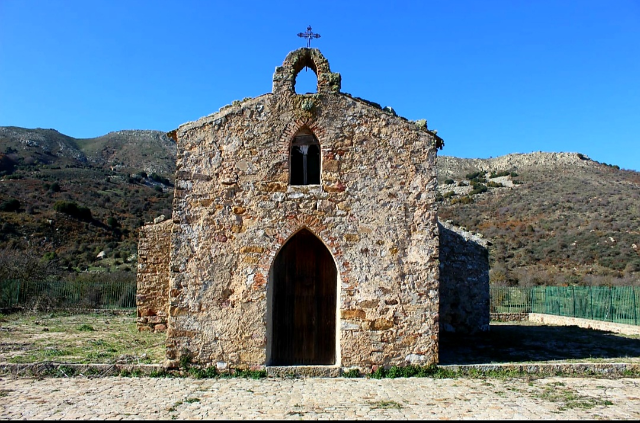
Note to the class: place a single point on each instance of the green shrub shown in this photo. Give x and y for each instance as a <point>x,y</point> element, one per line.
<point>379,373</point>
<point>161,179</point>
<point>51,255</point>
<point>352,373</point>
<point>478,189</point>
<point>448,181</point>
<point>211,372</point>
<point>8,228</point>
<point>10,205</point>
<point>252,374</point>
<point>54,187</point>
<point>72,209</point>
<point>196,372</point>
<point>402,371</point>
<point>185,360</point>
<point>127,373</point>
<point>498,174</point>
<point>462,200</point>
<point>159,373</point>
<point>65,371</point>
<point>206,373</point>
<point>473,175</point>
<point>493,184</point>
<point>449,194</point>
<point>406,371</point>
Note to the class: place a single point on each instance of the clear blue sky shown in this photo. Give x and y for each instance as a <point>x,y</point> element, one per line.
<point>493,76</point>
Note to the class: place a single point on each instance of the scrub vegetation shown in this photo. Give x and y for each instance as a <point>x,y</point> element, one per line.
<point>77,205</point>
<point>558,225</point>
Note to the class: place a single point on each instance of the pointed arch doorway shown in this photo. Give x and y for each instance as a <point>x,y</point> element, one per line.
<point>303,304</point>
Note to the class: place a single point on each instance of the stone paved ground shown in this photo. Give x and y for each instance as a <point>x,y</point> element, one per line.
<point>319,398</point>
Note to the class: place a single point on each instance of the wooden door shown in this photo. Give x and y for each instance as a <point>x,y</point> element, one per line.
<point>304,303</point>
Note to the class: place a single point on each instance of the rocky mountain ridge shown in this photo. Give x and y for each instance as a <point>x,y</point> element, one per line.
<point>129,150</point>
<point>449,165</point>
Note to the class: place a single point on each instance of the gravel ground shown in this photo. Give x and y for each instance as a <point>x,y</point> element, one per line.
<point>319,398</point>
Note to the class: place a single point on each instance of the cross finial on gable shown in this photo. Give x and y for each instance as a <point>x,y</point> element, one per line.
<point>308,35</point>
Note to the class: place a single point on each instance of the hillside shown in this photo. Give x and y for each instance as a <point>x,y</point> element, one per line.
<point>560,218</point>
<point>50,180</point>
<point>123,151</point>
<point>551,218</point>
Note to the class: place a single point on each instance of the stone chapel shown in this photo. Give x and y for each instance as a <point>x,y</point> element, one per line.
<point>305,233</point>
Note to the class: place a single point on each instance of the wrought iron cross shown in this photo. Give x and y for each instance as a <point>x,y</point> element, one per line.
<point>308,35</point>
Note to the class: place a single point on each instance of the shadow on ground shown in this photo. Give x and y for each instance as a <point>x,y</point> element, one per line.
<point>508,343</point>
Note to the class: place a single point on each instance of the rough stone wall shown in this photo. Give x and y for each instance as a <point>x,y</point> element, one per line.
<point>459,252</point>
<point>464,281</point>
<point>152,297</point>
<point>374,210</point>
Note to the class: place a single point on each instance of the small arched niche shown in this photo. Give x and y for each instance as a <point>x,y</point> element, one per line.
<point>304,158</point>
<point>302,303</point>
<point>306,82</point>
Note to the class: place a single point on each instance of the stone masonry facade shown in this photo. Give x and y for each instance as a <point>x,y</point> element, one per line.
<point>235,208</point>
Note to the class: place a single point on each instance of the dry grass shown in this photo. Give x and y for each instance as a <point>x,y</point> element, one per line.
<point>108,338</point>
<point>77,338</point>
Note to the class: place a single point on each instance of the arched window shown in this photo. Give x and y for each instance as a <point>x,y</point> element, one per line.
<point>304,159</point>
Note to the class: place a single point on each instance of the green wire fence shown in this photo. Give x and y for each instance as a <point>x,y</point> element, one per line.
<point>612,304</point>
<point>66,294</point>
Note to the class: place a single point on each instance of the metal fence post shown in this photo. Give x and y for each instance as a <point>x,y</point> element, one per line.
<point>591,298</point>
<point>573,292</point>
<point>611,303</point>
<point>546,305</point>
<point>531,299</point>
<point>635,310</point>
